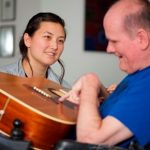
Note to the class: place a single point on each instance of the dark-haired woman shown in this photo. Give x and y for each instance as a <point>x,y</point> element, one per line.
<point>41,45</point>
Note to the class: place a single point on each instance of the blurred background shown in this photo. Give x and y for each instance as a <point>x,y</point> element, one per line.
<point>78,60</point>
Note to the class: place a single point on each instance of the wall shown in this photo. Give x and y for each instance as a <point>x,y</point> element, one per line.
<point>24,11</point>
<point>76,60</point>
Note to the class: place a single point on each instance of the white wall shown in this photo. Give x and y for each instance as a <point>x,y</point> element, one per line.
<point>77,61</point>
<point>25,9</point>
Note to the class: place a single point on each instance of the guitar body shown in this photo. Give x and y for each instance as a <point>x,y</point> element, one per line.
<point>45,121</point>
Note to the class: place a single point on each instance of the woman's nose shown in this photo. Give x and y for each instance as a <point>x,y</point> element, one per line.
<point>53,44</point>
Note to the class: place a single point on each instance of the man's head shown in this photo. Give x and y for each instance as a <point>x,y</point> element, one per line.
<point>127,27</point>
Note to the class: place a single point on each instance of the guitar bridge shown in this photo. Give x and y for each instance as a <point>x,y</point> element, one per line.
<point>41,92</point>
<point>55,99</point>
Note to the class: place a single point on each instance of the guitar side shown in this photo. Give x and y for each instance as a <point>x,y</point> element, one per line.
<point>45,122</point>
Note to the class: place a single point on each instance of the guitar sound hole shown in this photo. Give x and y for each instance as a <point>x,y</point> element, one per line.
<point>60,93</point>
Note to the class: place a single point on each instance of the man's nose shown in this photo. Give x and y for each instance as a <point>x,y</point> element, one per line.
<point>110,48</point>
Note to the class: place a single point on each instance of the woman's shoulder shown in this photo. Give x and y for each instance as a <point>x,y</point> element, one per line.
<point>8,67</point>
<point>54,77</point>
<point>12,68</point>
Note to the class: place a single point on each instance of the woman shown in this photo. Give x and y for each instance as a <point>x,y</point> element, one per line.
<point>41,45</point>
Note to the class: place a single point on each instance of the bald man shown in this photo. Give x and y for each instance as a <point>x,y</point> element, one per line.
<point>124,115</point>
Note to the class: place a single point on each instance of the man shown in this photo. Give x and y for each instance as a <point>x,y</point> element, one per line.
<point>124,116</point>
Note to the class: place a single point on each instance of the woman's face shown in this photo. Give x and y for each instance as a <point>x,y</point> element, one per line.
<point>47,43</point>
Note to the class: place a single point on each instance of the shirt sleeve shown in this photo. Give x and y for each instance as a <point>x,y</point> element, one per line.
<point>133,109</point>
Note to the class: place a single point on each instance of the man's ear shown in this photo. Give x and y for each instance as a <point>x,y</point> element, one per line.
<point>27,40</point>
<point>143,39</point>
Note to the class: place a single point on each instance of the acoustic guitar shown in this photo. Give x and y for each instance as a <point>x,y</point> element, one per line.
<point>34,101</point>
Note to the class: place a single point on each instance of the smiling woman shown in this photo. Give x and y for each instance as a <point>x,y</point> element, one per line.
<point>41,45</point>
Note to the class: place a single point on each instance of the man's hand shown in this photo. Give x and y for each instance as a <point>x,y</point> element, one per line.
<point>88,80</point>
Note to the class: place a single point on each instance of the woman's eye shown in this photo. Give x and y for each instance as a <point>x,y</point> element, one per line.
<point>61,41</point>
<point>47,37</point>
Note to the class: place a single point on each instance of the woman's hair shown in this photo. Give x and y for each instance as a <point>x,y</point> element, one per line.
<point>33,25</point>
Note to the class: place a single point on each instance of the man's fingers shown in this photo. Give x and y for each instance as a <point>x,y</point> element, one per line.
<point>64,97</point>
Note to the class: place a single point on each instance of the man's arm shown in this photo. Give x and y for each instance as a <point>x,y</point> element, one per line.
<point>91,127</point>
